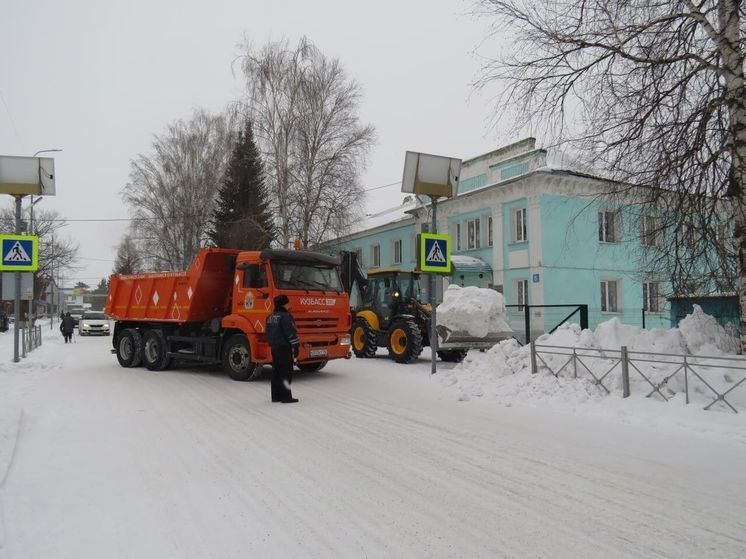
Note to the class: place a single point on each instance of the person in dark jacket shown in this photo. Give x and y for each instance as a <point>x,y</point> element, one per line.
<point>282,336</point>
<point>67,327</point>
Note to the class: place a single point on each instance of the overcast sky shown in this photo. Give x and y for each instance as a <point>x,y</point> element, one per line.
<point>98,79</point>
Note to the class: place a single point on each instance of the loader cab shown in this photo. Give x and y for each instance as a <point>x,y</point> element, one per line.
<point>392,292</point>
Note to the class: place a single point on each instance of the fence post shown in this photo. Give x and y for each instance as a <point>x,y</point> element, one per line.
<point>625,373</point>
<point>584,317</point>
<point>643,318</point>
<point>23,342</point>
<point>686,380</point>
<point>533,358</point>
<point>527,321</point>
<point>574,363</point>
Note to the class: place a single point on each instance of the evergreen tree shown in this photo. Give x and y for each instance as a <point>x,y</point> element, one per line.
<point>241,218</point>
<point>103,287</point>
<point>128,259</point>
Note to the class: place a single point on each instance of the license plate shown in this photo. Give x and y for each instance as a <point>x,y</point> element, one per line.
<point>318,353</point>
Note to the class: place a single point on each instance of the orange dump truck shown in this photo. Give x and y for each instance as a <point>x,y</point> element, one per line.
<point>216,311</point>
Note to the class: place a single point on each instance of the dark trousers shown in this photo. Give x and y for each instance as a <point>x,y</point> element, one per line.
<point>282,372</point>
<point>68,336</point>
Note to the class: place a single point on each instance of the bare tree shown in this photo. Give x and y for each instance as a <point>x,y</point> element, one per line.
<point>57,252</point>
<point>651,91</point>
<point>305,112</point>
<point>172,189</point>
<point>128,260</point>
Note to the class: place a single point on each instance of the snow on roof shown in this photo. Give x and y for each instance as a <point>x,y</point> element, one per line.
<point>384,217</point>
<point>470,263</point>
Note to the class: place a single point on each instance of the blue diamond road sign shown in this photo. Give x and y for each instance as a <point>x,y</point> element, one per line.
<point>20,253</point>
<point>435,253</point>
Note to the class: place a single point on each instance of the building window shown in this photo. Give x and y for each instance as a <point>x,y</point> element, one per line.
<point>609,296</point>
<point>722,234</point>
<point>686,235</point>
<point>608,227</point>
<point>519,225</point>
<point>472,232</point>
<point>415,248</point>
<point>397,252</point>
<point>521,293</point>
<point>651,301</point>
<point>649,231</point>
<point>375,256</point>
<point>458,236</point>
<point>489,230</point>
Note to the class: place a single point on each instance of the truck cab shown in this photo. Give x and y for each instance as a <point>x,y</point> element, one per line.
<point>318,303</point>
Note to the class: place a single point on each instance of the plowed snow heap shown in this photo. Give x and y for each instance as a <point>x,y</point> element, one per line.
<point>475,311</point>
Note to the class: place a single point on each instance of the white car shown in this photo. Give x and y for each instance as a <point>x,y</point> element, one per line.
<point>94,323</point>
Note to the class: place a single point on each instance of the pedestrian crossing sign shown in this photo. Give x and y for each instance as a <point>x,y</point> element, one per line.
<point>20,253</point>
<point>435,253</point>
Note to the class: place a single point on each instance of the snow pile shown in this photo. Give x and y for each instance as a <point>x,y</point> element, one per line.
<point>504,372</point>
<point>475,310</point>
<point>704,336</point>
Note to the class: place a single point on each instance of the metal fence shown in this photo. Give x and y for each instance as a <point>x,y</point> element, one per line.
<point>30,339</point>
<point>667,369</point>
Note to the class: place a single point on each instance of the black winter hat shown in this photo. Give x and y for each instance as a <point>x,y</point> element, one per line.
<point>281,301</point>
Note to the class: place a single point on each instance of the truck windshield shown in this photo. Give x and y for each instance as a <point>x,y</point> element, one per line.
<point>305,276</point>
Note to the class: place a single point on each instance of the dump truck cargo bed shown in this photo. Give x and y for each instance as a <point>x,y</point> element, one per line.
<point>198,294</point>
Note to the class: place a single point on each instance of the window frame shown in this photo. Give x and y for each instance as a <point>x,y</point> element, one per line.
<point>519,225</point>
<point>521,294</point>
<point>647,298</point>
<point>396,247</point>
<point>375,255</point>
<point>473,234</point>
<point>649,231</point>
<point>458,235</point>
<point>490,231</point>
<point>603,228</point>
<point>604,285</point>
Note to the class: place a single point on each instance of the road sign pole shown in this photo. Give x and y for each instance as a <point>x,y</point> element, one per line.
<point>433,331</point>
<point>17,301</point>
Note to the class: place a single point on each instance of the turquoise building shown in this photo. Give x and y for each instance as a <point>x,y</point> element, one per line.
<point>527,224</point>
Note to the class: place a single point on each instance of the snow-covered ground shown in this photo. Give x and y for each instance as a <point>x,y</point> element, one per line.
<point>377,460</point>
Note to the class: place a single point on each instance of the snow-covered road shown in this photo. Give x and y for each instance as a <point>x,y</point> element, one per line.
<point>377,460</point>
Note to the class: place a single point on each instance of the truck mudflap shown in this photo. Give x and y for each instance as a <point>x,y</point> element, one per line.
<point>451,340</point>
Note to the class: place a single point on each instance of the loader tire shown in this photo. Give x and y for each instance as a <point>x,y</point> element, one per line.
<point>452,355</point>
<point>237,359</point>
<point>155,351</point>
<point>364,340</point>
<point>129,348</point>
<point>405,340</point>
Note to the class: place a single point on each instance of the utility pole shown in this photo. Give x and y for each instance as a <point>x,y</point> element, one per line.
<point>431,289</point>
<point>17,300</point>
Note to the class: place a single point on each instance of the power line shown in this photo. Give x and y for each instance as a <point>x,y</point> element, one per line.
<point>136,219</point>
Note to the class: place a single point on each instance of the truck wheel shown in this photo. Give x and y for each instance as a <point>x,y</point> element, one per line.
<point>312,367</point>
<point>237,359</point>
<point>405,340</point>
<point>452,355</point>
<point>364,342</point>
<point>155,351</point>
<point>129,348</point>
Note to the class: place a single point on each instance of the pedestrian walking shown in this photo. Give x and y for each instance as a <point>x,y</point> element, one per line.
<point>67,327</point>
<point>282,336</point>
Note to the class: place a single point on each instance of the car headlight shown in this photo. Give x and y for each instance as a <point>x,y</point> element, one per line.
<point>84,324</point>
<point>106,326</point>
<point>344,341</point>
